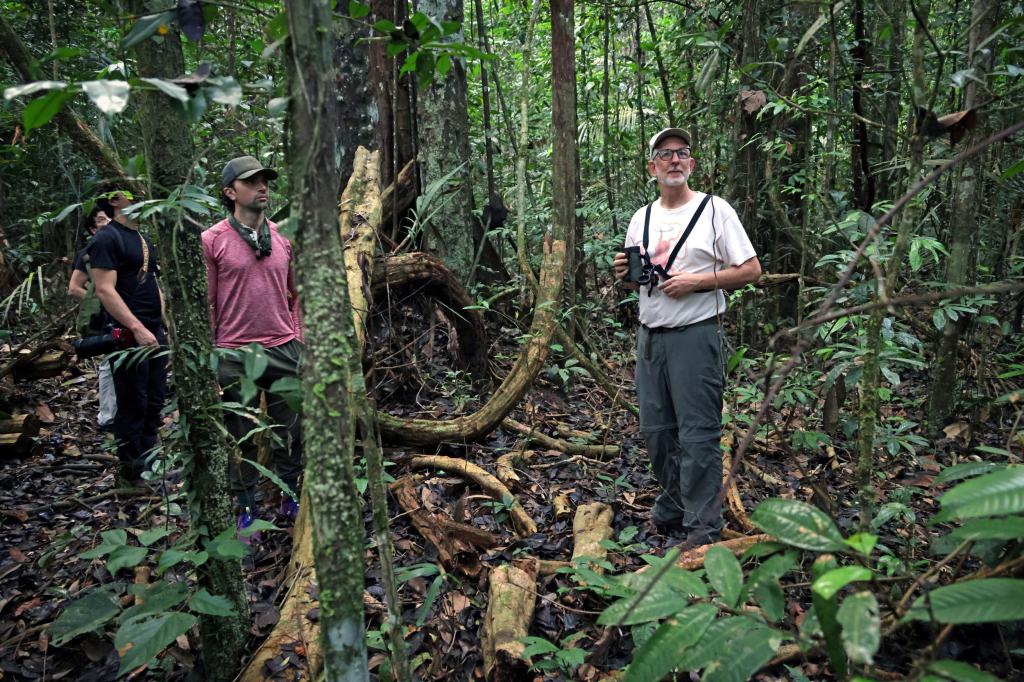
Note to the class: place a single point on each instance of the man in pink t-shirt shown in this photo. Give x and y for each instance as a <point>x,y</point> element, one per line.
<point>254,313</point>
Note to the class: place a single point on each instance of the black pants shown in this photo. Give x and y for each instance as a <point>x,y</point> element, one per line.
<point>286,448</point>
<point>140,384</point>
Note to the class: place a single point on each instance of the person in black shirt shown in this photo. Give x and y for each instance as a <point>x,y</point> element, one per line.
<point>124,272</point>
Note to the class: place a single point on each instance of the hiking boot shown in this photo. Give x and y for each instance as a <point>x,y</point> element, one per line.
<point>245,520</point>
<point>289,508</point>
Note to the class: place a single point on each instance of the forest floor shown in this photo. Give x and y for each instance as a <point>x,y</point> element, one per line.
<point>55,503</point>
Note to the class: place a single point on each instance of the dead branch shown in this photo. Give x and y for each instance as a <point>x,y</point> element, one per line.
<point>597,451</point>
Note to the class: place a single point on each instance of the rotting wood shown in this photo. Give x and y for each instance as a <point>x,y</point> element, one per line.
<point>591,525</point>
<point>358,216</point>
<point>455,552</point>
<point>16,444</point>
<point>561,505</point>
<point>524,525</point>
<point>510,605</point>
<point>21,423</point>
<point>41,365</point>
<point>693,559</point>
<point>732,494</point>
<point>506,464</point>
<point>595,451</point>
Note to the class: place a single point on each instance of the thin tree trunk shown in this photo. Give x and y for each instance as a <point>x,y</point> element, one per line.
<point>960,268</point>
<point>329,425</point>
<point>523,151</point>
<point>666,91</point>
<point>170,154</point>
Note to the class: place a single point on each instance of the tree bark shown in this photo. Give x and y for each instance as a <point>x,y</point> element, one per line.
<point>329,425</point>
<point>357,110</point>
<point>170,153</point>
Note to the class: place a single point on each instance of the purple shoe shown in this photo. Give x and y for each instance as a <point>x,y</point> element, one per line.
<point>289,508</point>
<point>245,520</point>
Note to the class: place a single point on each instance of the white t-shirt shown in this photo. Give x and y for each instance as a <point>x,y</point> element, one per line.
<point>710,247</point>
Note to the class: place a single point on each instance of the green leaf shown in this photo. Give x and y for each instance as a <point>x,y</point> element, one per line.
<point>172,90</point>
<point>964,470</point>
<point>274,478</point>
<point>223,90</point>
<point>863,542</point>
<point>173,557</point>
<point>384,26</point>
<point>211,604</point>
<point>153,534</point>
<point>158,597</point>
<point>773,602</point>
<point>725,574</point>
<point>140,640</point>
<point>110,97</point>
<point>145,27</point>
<point>428,600</point>
<point>444,65</point>
<point>41,110</point>
<point>31,88</point>
<point>125,557</point>
<point>991,529</point>
<point>799,524</point>
<point>86,614</point>
<point>858,614</point>
<point>939,318</point>
<point>655,605</point>
<point>989,600</point>
<point>836,579</point>
<point>112,539</point>
<point>732,649</point>
<point>1013,170</point>
<point>659,654</point>
<point>357,10</point>
<point>537,646</point>
<point>961,672</point>
<point>277,28</point>
<point>994,494</point>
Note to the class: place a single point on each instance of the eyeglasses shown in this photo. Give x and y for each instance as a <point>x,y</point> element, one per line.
<point>666,154</point>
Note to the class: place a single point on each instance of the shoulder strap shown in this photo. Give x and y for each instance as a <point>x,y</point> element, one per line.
<point>686,233</point>
<point>647,223</point>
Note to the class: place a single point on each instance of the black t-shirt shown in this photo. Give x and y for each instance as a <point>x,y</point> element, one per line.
<point>118,248</point>
<point>79,263</point>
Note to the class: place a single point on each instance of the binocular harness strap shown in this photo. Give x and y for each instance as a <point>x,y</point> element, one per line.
<point>682,239</point>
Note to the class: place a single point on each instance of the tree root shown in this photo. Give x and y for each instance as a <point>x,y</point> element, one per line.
<point>510,605</point>
<point>597,451</point>
<point>732,496</point>
<point>505,468</point>
<point>524,525</point>
<point>591,525</point>
<point>693,559</point>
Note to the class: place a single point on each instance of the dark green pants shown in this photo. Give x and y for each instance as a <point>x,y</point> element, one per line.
<point>679,390</point>
<point>286,447</point>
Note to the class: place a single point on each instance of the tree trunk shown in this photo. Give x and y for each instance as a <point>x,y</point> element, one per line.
<point>329,425</point>
<point>357,111</point>
<point>443,134</point>
<point>394,98</point>
<point>170,154</point>
<point>960,268</point>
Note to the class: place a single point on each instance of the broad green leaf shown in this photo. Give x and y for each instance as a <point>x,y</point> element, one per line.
<point>160,596</point>
<point>835,580</point>
<point>33,87</point>
<point>274,478</point>
<point>655,605</point>
<point>994,494</point>
<point>41,110</point>
<point>991,529</point>
<point>863,542</point>
<point>87,614</point>
<point>223,90</point>
<point>111,540</point>
<point>153,534</point>
<point>65,212</point>
<point>799,524</point>
<point>125,557</point>
<point>110,97</point>
<point>1013,170</point>
<point>428,600</point>
<point>139,640</point>
<point>172,90</point>
<point>732,649</point>
<point>858,614</point>
<point>989,600</point>
<point>960,672</point>
<point>773,602</point>
<point>659,654</point>
<point>146,26</point>
<point>211,604</point>
<point>675,580</point>
<point>357,10</point>
<point>724,573</point>
<point>173,557</point>
<point>537,646</point>
<point>964,470</point>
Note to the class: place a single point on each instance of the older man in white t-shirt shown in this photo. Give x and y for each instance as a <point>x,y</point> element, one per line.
<point>697,248</point>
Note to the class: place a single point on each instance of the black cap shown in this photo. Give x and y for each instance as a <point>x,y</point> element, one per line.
<point>244,167</point>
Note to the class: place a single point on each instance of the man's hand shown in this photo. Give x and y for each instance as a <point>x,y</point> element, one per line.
<point>144,337</point>
<point>621,265</point>
<point>681,283</point>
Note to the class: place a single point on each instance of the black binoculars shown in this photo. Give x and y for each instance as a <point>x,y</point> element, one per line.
<point>116,338</point>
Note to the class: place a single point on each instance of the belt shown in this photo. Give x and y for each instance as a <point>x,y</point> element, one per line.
<point>658,330</point>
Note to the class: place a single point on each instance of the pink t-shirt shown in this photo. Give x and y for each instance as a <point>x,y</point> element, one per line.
<point>251,300</point>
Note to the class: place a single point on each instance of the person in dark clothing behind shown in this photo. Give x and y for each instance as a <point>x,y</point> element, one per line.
<point>124,269</point>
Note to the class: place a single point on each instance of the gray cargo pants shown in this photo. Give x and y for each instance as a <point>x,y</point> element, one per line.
<point>679,389</point>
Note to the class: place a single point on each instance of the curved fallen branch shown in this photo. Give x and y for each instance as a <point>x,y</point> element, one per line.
<point>510,605</point>
<point>693,559</point>
<point>505,466</point>
<point>524,525</point>
<point>591,525</point>
<point>596,451</point>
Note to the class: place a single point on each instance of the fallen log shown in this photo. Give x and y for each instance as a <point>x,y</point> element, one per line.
<point>524,525</point>
<point>21,423</point>
<point>595,451</point>
<point>591,525</point>
<point>16,444</point>
<point>561,505</point>
<point>32,365</point>
<point>456,551</point>
<point>510,605</point>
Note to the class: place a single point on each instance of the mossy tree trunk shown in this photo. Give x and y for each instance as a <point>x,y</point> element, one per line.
<point>328,424</point>
<point>170,154</point>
